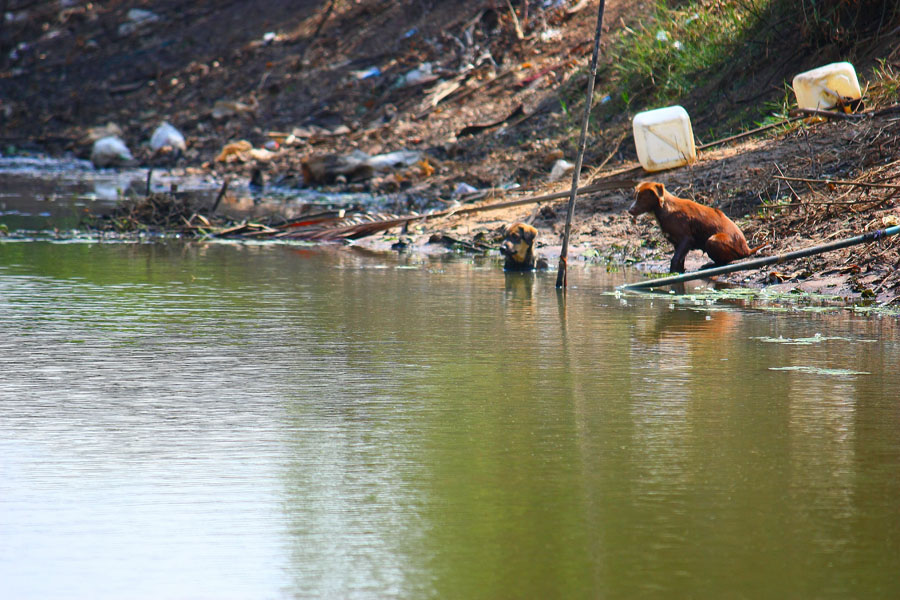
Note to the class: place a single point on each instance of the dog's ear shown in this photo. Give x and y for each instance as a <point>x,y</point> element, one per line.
<point>648,196</point>
<point>650,187</point>
<point>529,234</point>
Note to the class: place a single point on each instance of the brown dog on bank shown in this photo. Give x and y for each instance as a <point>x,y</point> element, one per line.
<point>518,248</point>
<point>691,226</point>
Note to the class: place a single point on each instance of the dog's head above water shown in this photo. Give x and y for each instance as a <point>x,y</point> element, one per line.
<point>518,247</point>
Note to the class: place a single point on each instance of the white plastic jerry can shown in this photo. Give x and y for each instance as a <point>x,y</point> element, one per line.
<point>663,138</point>
<point>821,88</point>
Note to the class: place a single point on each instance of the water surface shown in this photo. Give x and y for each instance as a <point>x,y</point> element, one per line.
<point>200,420</point>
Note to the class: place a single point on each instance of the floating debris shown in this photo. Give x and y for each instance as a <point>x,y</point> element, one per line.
<point>820,371</point>
<point>808,341</point>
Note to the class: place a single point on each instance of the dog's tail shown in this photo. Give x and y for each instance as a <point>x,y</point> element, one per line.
<point>758,248</point>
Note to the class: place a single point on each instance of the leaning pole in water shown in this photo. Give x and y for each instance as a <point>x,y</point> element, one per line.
<point>582,143</point>
<point>762,262</point>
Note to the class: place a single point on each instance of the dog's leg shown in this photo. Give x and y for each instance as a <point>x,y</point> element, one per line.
<point>681,250</point>
<point>721,249</point>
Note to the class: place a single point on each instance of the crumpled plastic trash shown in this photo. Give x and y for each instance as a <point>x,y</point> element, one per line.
<point>358,165</point>
<point>167,136</point>
<point>393,160</point>
<point>464,188</point>
<point>110,151</point>
<point>561,168</point>
<point>261,154</point>
<point>421,74</point>
<point>234,149</point>
<point>367,73</point>
<point>223,109</point>
<point>137,18</point>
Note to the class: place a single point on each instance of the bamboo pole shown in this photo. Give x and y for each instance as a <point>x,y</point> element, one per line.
<point>762,262</point>
<point>561,274</point>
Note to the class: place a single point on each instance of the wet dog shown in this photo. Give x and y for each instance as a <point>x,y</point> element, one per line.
<point>691,226</point>
<point>518,248</point>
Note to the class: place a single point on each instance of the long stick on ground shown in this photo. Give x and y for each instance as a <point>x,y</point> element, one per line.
<point>362,229</point>
<point>561,274</point>
<point>748,133</point>
<point>767,260</point>
<point>318,30</point>
<point>889,186</point>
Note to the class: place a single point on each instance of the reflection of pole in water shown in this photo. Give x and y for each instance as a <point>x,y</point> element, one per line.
<point>561,309</point>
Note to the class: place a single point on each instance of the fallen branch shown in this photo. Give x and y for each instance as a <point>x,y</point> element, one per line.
<point>454,97</point>
<point>315,36</point>
<point>767,260</point>
<point>478,128</point>
<point>519,33</point>
<point>358,230</point>
<point>847,203</point>
<point>588,189</point>
<point>748,133</point>
<point>793,191</point>
<point>577,8</point>
<point>827,114</point>
<point>609,156</point>
<point>890,186</point>
<point>887,110</point>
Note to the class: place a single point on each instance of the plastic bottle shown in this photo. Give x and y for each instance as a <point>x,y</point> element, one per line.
<point>663,138</point>
<point>820,88</point>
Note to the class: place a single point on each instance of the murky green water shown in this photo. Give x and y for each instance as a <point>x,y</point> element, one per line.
<point>227,421</point>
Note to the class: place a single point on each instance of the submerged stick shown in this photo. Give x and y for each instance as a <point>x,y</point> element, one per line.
<point>582,143</point>
<point>767,260</point>
<point>219,196</point>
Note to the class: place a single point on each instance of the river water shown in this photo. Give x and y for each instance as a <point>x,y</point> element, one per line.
<point>206,420</point>
<point>209,420</point>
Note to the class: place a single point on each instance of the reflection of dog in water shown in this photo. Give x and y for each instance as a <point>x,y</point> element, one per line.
<point>518,248</point>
